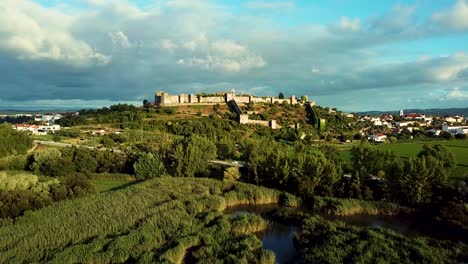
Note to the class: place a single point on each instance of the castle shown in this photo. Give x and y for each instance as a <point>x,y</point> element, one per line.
<point>165,99</point>
<point>229,98</point>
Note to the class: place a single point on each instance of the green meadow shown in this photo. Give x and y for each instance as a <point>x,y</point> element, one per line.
<point>408,149</point>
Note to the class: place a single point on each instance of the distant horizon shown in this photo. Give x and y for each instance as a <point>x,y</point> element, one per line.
<point>78,108</point>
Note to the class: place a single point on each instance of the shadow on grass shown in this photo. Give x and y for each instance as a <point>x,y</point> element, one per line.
<point>122,186</point>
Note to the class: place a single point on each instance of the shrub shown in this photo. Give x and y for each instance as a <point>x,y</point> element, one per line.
<point>149,166</point>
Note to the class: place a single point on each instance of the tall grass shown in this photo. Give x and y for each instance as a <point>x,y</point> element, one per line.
<point>154,221</point>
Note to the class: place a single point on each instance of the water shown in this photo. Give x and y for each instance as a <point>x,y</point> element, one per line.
<point>279,237</point>
<point>276,237</point>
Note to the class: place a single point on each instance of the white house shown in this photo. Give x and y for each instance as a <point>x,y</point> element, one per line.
<point>401,124</point>
<point>377,137</point>
<point>455,129</point>
<point>47,117</point>
<point>37,129</point>
<point>450,119</point>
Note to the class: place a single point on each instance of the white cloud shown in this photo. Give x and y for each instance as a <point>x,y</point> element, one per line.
<point>270,5</point>
<point>33,32</point>
<point>348,24</point>
<point>189,45</point>
<point>455,17</point>
<point>120,39</point>
<point>188,4</point>
<point>167,44</point>
<point>457,94</point>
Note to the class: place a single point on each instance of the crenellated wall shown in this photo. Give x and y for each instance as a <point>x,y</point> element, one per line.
<point>165,99</point>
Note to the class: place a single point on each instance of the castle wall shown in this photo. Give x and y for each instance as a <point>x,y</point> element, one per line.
<point>169,99</point>
<point>242,99</point>
<point>262,100</point>
<point>280,101</point>
<point>212,99</point>
<point>165,99</point>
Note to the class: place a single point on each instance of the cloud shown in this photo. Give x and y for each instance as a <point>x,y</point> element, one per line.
<point>347,24</point>
<point>120,39</point>
<point>455,18</point>
<point>270,5</point>
<point>114,50</point>
<point>32,32</point>
<point>225,55</point>
<point>188,4</point>
<point>167,44</point>
<point>457,94</point>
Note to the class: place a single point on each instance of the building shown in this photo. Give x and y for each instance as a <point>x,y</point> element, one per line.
<point>37,129</point>
<point>377,137</point>
<point>401,124</point>
<point>454,130</point>
<point>47,117</point>
<point>415,116</point>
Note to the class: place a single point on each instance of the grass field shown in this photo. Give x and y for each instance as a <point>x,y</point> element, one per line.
<point>103,185</point>
<point>408,149</point>
<point>106,182</point>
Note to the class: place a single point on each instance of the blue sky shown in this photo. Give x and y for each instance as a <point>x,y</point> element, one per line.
<point>354,55</point>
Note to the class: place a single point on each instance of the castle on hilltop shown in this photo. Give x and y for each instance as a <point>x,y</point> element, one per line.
<point>165,99</point>
<point>229,98</point>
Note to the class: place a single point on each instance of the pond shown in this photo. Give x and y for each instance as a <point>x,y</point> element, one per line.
<point>278,237</point>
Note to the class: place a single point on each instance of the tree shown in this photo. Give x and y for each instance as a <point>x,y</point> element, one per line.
<point>51,163</point>
<point>232,174</point>
<point>85,160</point>
<point>145,102</point>
<point>419,177</point>
<point>190,156</point>
<point>149,166</point>
<point>281,95</point>
<point>441,153</point>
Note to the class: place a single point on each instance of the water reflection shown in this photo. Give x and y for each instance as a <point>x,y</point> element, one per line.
<point>276,237</point>
<point>279,237</point>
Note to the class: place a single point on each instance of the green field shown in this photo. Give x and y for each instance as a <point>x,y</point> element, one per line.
<point>407,149</point>
<point>103,185</point>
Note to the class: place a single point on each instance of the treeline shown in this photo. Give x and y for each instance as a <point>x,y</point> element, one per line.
<point>65,161</point>
<point>24,192</point>
<point>13,142</point>
<point>16,119</point>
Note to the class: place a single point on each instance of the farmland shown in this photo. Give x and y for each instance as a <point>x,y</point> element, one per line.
<point>408,149</point>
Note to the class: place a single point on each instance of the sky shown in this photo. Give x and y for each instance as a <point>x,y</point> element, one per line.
<point>353,55</point>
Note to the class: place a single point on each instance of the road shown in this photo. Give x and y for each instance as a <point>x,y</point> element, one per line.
<point>58,144</point>
<point>228,163</point>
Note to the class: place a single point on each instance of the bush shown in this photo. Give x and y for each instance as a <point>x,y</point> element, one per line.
<point>232,174</point>
<point>149,166</point>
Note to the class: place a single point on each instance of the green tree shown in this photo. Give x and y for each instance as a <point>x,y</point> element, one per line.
<point>190,156</point>
<point>441,153</point>
<point>418,179</point>
<point>149,166</point>
<point>13,142</point>
<point>232,174</point>
<point>281,95</point>
<point>85,160</point>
